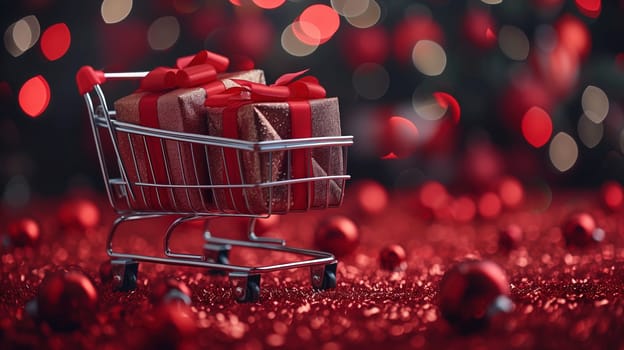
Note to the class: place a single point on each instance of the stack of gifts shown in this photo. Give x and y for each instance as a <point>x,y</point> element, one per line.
<point>201,97</point>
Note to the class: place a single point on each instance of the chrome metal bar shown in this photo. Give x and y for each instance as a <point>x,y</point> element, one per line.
<point>125,75</point>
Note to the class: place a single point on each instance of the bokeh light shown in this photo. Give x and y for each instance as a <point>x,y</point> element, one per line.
<point>511,192</point>
<point>428,108</point>
<point>489,205</point>
<point>573,35</point>
<point>350,8</point>
<point>612,195</point>
<point>114,11</point>
<point>22,35</point>
<point>589,132</point>
<point>595,103</point>
<point>513,42</point>
<point>492,2</point>
<point>433,194</point>
<point>400,136</point>
<point>563,152</point>
<point>269,4</point>
<point>294,46</point>
<point>429,57</point>
<point>464,209</point>
<point>371,80</point>
<point>448,102</point>
<point>368,18</point>
<point>34,96</point>
<point>536,127</point>
<point>590,8</point>
<point>55,41</point>
<point>323,17</point>
<point>163,33</point>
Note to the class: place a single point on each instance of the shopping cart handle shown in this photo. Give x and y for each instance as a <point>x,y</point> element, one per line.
<point>87,78</point>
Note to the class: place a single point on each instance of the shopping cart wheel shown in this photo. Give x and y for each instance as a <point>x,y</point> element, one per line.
<point>324,276</point>
<point>218,254</point>
<point>125,273</point>
<point>245,288</point>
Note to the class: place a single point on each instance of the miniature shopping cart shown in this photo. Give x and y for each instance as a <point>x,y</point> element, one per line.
<point>124,194</point>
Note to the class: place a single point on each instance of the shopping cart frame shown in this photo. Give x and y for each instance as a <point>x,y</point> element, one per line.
<point>245,280</point>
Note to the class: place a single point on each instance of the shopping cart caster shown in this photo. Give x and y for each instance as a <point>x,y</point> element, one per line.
<point>323,276</point>
<point>246,288</point>
<point>125,273</point>
<point>218,254</point>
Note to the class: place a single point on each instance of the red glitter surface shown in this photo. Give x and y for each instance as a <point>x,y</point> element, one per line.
<point>565,298</point>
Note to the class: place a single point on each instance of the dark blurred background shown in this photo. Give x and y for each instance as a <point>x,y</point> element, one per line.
<point>464,92</point>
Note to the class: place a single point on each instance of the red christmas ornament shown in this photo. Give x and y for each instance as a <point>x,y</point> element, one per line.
<point>78,214</point>
<point>338,235</point>
<point>612,195</point>
<point>580,230</point>
<point>471,293</point>
<point>169,326</point>
<point>510,237</point>
<point>393,258</point>
<point>66,300</point>
<point>371,197</point>
<point>24,232</point>
<point>170,291</point>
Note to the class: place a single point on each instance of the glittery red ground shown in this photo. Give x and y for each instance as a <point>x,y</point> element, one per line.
<point>564,299</point>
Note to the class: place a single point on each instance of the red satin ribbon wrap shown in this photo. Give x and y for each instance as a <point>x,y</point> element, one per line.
<point>296,92</point>
<point>199,70</point>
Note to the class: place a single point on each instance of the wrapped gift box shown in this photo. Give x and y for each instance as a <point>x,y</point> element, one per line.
<point>150,160</point>
<point>262,121</point>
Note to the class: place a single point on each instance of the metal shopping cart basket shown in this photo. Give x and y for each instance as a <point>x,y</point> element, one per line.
<point>123,193</point>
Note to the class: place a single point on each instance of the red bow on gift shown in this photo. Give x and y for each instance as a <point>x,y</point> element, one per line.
<point>191,71</point>
<point>286,88</point>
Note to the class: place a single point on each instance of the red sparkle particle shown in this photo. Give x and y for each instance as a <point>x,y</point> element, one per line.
<point>34,96</point>
<point>590,8</point>
<point>536,127</point>
<point>269,4</point>
<point>324,18</point>
<point>55,41</point>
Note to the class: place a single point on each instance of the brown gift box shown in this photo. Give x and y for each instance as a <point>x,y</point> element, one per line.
<point>171,162</point>
<point>272,121</point>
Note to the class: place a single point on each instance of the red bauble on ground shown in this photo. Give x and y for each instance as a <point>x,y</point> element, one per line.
<point>580,230</point>
<point>170,291</point>
<point>338,235</point>
<point>471,292</point>
<point>169,326</point>
<point>78,214</point>
<point>24,232</point>
<point>66,300</point>
<point>393,258</point>
<point>510,238</point>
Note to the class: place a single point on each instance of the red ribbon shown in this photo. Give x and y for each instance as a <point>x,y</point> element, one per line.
<point>296,92</point>
<point>198,70</point>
